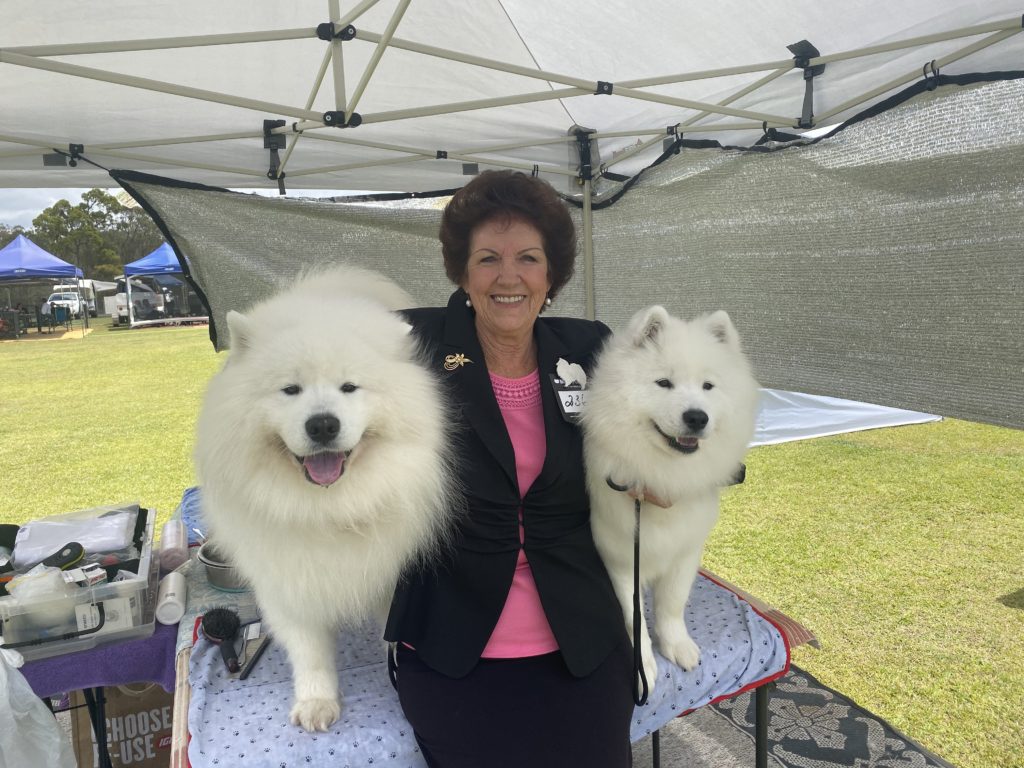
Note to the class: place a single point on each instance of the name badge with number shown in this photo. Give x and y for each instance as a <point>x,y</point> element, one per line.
<point>571,399</point>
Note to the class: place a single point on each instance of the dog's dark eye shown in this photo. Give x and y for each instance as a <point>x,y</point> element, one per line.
<point>708,385</point>
<point>348,386</point>
<point>292,389</point>
<point>664,383</point>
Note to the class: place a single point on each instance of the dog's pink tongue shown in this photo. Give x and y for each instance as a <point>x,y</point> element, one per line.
<point>324,468</point>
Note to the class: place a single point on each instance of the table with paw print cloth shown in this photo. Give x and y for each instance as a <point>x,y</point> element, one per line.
<point>232,722</point>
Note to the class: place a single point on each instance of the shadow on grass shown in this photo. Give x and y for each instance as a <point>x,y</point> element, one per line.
<point>1013,600</point>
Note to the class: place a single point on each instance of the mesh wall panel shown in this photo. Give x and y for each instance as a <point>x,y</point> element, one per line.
<point>883,264</point>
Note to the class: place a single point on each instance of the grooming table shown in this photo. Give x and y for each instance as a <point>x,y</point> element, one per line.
<point>219,720</point>
<point>231,721</point>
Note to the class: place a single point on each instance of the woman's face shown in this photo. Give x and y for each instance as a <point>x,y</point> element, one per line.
<point>506,277</point>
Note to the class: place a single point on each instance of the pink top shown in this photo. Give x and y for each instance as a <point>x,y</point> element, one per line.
<point>522,628</point>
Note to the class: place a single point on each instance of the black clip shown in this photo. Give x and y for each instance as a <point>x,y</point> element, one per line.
<point>583,145</point>
<point>604,88</point>
<point>274,142</point>
<point>536,171</point>
<point>327,32</point>
<point>673,144</point>
<point>74,152</point>
<point>803,51</point>
<point>442,154</point>
<point>336,119</point>
<point>930,83</point>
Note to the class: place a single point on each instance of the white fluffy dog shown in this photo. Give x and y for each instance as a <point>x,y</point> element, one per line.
<point>670,411</point>
<point>322,455</point>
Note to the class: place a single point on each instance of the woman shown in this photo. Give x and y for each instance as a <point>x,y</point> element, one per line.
<point>512,651</point>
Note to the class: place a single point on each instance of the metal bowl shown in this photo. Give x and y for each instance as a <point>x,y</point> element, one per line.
<point>220,573</point>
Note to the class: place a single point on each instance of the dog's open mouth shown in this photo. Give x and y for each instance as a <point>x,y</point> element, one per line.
<point>683,444</point>
<point>325,467</point>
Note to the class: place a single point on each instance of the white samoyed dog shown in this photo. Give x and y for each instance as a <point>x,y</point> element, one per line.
<point>322,454</point>
<point>671,409</point>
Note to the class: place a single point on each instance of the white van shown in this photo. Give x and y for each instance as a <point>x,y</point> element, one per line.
<point>83,291</point>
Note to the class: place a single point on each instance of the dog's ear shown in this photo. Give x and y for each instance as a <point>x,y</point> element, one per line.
<point>239,332</point>
<point>647,325</point>
<point>719,325</point>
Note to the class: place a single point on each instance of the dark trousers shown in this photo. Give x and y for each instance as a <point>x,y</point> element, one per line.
<point>520,713</point>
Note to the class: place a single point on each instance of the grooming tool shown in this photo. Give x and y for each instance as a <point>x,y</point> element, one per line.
<point>66,556</point>
<point>254,657</point>
<point>220,626</point>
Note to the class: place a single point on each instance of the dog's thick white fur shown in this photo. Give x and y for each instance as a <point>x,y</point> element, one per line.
<point>671,409</point>
<point>323,461</point>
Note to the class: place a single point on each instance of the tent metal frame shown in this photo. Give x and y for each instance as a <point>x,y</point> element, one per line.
<point>307,119</point>
<point>309,123</point>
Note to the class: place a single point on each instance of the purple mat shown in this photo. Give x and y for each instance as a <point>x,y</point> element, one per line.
<point>142,660</point>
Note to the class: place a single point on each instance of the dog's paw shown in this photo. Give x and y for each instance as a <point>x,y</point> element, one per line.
<point>315,714</point>
<point>682,652</point>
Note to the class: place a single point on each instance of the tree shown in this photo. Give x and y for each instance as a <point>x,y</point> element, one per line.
<point>69,232</point>
<point>99,235</point>
<point>8,233</point>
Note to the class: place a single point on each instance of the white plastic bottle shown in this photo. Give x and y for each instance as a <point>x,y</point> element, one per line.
<point>173,545</point>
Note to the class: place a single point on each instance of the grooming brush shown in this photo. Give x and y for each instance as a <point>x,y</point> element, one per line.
<point>220,627</point>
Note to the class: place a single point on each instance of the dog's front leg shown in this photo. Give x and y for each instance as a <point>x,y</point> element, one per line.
<point>671,592</point>
<point>622,581</point>
<point>311,652</point>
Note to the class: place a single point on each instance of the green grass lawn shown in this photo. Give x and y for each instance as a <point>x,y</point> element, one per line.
<point>900,548</point>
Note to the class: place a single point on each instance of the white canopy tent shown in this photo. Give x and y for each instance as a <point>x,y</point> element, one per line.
<point>882,264</point>
<point>182,88</point>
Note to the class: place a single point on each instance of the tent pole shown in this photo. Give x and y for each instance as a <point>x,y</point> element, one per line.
<point>420,155</point>
<point>588,250</point>
<point>916,73</point>
<point>128,293</point>
<point>378,52</point>
<point>337,64</point>
<point>156,85</point>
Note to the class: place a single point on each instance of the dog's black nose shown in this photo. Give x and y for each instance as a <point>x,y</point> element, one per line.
<point>695,419</point>
<point>322,428</point>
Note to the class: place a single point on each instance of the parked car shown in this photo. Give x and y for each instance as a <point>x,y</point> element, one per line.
<point>68,299</point>
<point>86,289</point>
<point>147,304</point>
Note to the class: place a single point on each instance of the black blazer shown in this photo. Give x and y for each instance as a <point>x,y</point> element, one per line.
<point>448,610</point>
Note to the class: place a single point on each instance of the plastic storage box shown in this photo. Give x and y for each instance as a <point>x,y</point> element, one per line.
<point>90,616</point>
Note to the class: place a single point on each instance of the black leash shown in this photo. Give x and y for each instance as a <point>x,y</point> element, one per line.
<point>639,692</point>
<point>640,687</point>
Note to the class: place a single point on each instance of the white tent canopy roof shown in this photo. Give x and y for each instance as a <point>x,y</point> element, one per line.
<point>182,88</point>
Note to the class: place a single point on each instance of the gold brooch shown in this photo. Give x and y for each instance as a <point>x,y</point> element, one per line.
<point>451,362</point>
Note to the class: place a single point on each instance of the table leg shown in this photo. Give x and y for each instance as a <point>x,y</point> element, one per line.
<point>761,725</point>
<point>96,701</point>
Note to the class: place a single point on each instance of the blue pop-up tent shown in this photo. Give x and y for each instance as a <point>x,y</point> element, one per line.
<point>159,264</point>
<point>21,259</point>
<point>159,261</point>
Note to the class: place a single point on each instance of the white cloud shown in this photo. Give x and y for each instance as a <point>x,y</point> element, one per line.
<point>20,206</point>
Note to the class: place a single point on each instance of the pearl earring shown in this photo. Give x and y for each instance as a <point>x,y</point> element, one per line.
<point>469,304</point>
<point>547,301</point>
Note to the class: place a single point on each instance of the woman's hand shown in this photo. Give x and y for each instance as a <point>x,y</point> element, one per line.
<point>644,495</point>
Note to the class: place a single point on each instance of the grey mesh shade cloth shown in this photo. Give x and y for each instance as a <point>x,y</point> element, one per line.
<point>883,264</point>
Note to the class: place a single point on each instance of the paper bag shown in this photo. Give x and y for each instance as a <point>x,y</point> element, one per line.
<point>138,727</point>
